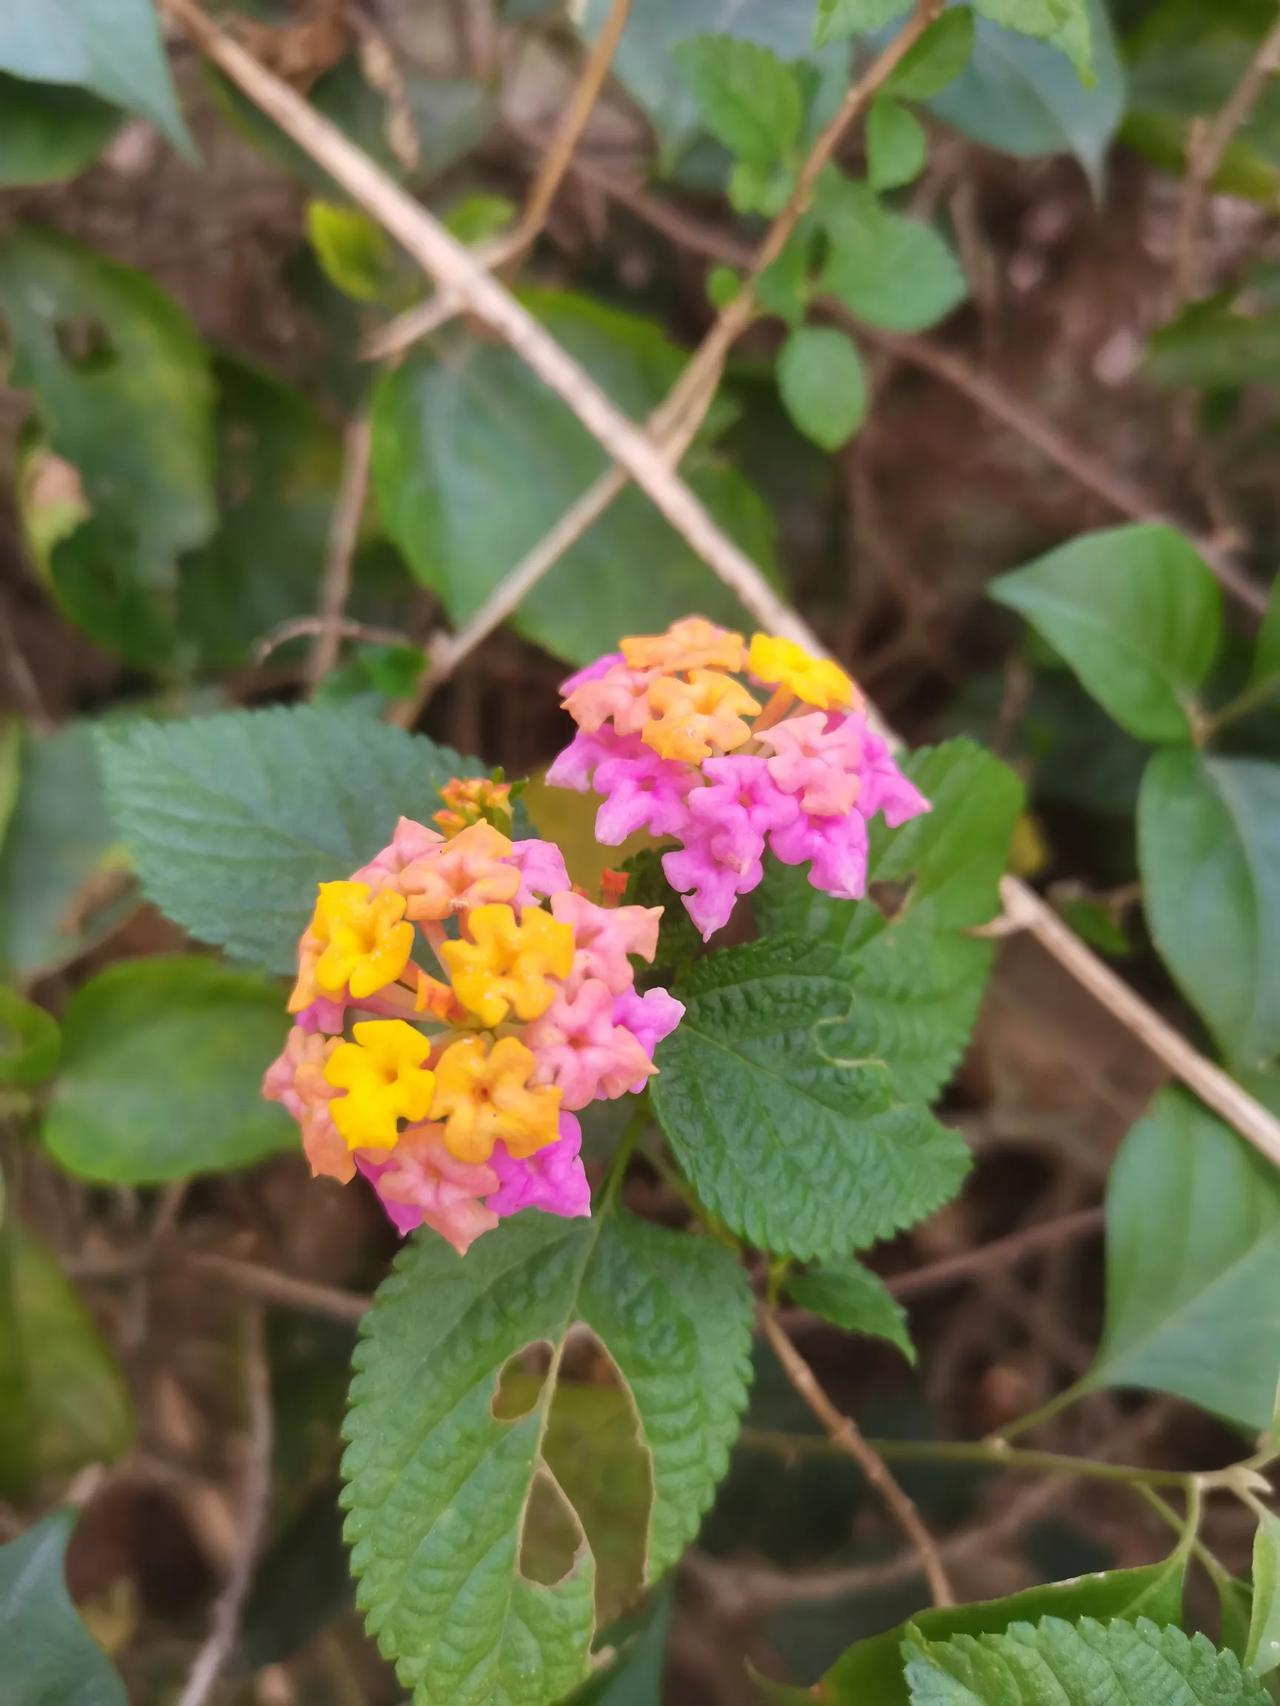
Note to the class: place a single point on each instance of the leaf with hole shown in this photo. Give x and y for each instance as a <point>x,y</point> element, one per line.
<point>448,433</point>
<point>1209,854</point>
<point>1137,615</point>
<point>162,1070</point>
<point>232,820</point>
<point>788,1133</point>
<point>438,1483</point>
<point>51,1659</point>
<point>823,385</point>
<point>870,1673</point>
<point>1054,1663</point>
<point>1194,1310</point>
<point>851,1296</point>
<point>124,398</point>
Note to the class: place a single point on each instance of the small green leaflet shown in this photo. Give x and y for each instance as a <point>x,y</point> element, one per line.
<point>1064,24</point>
<point>854,1298</point>
<point>1137,615</point>
<point>438,1487</point>
<point>837,18</point>
<point>50,1658</point>
<point>1055,1663</point>
<point>1209,854</point>
<point>940,55</point>
<point>896,144</point>
<point>786,1132</point>
<point>1193,1311</point>
<point>1262,1648</point>
<point>29,1040</point>
<point>887,269</point>
<point>823,385</point>
<point>233,819</point>
<point>162,1072</point>
<point>749,99</point>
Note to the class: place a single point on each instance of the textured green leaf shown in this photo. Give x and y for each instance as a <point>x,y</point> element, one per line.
<point>887,269</point>
<point>51,1659</point>
<point>822,382</point>
<point>1137,615</point>
<point>49,133</point>
<point>870,1672</point>
<point>1262,1647</point>
<point>1025,98</point>
<point>449,433</point>
<point>896,144</point>
<point>233,819</point>
<point>437,1486</point>
<point>936,59</point>
<point>854,1298</point>
<point>29,1040</point>
<point>123,393</point>
<point>57,855</point>
<point>1195,1310</point>
<point>111,47</point>
<point>63,1400</point>
<point>162,1072</point>
<point>837,18</point>
<point>916,975</point>
<point>748,98</point>
<point>1209,854</point>
<point>786,1133</point>
<point>1054,1663</point>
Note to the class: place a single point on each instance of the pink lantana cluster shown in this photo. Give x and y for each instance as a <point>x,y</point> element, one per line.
<point>452,1086</point>
<point>731,749</point>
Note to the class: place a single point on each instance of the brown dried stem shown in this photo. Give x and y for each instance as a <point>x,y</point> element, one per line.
<point>343,534</point>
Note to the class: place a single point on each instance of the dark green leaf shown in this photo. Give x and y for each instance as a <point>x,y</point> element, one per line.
<point>786,1133</point>
<point>449,433</point>
<point>51,1659</point>
<point>854,1298</point>
<point>162,1073</point>
<point>59,893</point>
<point>29,1040</point>
<point>887,269</point>
<point>870,1673</point>
<point>1193,1311</point>
<point>896,144</point>
<point>1262,1649</point>
<point>111,47</point>
<point>1215,346</point>
<point>63,1400</point>
<point>233,819</point>
<point>937,58</point>
<point>439,1484</point>
<point>1078,1664</point>
<point>1209,854</point>
<point>1266,656</point>
<point>822,383</point>
<point>49,133</point>
<point>1137,615</point>
<point>838,18</point>
<point>123,394</point>
<point>748,98</point>
<point>634,1677</point>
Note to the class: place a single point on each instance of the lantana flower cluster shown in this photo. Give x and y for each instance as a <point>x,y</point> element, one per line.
<point>457,1003</point>
<point>730,748</point>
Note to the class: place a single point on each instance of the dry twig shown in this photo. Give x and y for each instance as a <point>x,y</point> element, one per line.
<point>343,533</point>
<point>1000,1253</point>
<point>845,1434</point>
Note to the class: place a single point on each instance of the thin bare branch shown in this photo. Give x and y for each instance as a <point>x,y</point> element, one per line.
<point>344,627</point>
<point>269,1286</point>
<point>335,589</point>
<point>1000,1253</point>
<point>845,1434</point>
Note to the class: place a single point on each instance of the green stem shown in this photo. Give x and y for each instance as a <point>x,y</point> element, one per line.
<point>1037,1418</point>
<point>1242,704</point>
<point>1188,1538</point>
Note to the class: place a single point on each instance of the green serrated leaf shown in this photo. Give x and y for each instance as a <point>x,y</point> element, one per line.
<point>896,144</point>
<point>748,98</point>
<point>63,1399</point>
<point>823,384</point>
<point>1137,615</point>
<point>854,1298</point>
<point>123,394</point>
<point>112,47</point>
<point>1064,24</point>
<point>887,269</point>
<point>51,1659</point>
<point>1054,1663</point>
<point>1192,1312</point>
<point>870,1672</point>
<point>1262,1647</point>
<point>437,1485</point>
<point>162,1072</point>
<point>1209,854</point>
<point>936,59</point>
<point>49,133</point>
<point>232,820</point>
<point>786,1135</point>
<point>839,18</point>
